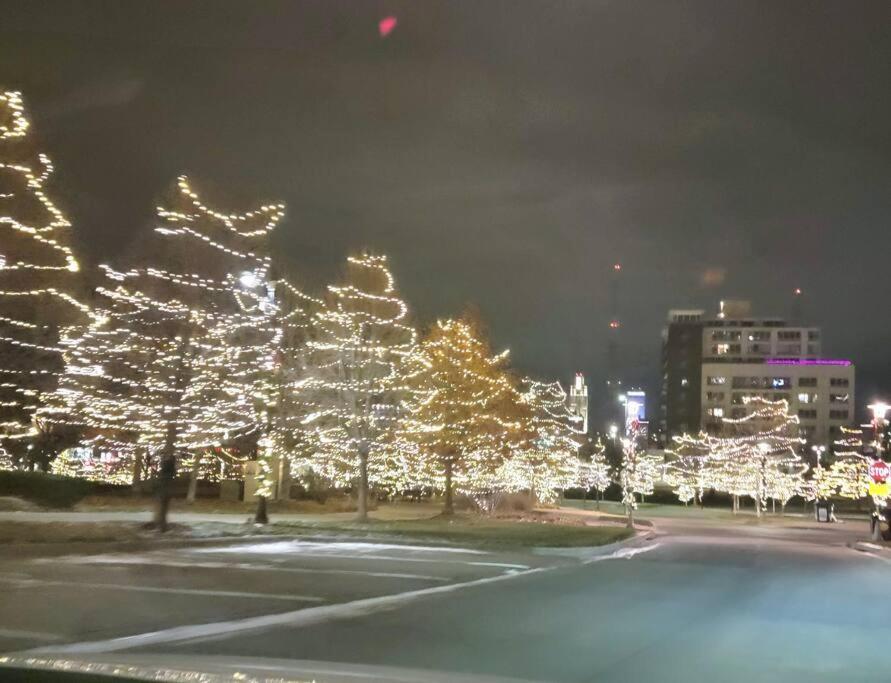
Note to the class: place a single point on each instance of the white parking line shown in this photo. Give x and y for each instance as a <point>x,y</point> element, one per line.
<point>421,560</point>
<point>299,618</point>
<point>245,566</point>
<point>26,583</point>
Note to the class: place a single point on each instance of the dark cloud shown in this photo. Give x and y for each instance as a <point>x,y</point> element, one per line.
<point>504,152</point>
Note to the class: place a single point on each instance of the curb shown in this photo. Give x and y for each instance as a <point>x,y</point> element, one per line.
<point>870,549</point>
<point>586,553</point>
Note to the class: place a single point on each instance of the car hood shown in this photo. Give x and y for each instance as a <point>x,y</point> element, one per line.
<point>219,669</point>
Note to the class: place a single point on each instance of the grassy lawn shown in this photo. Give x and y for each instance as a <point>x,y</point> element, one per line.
<point>471,530</point>
<point>65,532</point>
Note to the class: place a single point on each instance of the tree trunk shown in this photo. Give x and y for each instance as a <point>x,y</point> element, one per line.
<point>137,471</point>
<point>448,502</point>
<point>875,528</point>
<point>193,480</point>
<point>783,509</point>
<point>362,512</point>
<point>734,504</point>
<point>773,506</point>
<point>630,523</point>
<point>165,478</point>
<point>261,516</point>
<point>167,464</point>
<point>758,505</point>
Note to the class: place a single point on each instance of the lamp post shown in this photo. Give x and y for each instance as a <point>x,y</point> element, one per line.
<point>878,409</point>
<point>267,303</point>
<point>817,480</point>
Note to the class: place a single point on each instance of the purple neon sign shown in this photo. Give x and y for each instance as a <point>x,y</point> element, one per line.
<point>807,361</point>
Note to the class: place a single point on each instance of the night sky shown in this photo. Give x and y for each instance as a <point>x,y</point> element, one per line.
<point>502,153</point>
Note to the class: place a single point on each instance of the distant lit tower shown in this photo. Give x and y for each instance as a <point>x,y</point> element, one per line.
<point>613,379</point>
<point>578,400</point>
<point>796,305</point>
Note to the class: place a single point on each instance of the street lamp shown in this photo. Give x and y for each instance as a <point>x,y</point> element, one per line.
<point>248,279</point>
<point>879,409</point>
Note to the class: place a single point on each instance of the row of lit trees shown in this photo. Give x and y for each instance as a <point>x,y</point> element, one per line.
<point>199,350</point>
<point>758,456</point>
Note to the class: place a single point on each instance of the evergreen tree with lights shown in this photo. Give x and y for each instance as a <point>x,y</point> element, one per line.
<point>466,415</point>
<point>355,385</point>
<point>39,293</point>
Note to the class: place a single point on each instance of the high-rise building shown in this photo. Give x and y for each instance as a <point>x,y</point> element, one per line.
<point>710,366</point>
<point>635,402</point>
<point>578,400</point>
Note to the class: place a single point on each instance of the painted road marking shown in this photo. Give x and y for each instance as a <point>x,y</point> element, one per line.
<point>624,553</point>
<point>244,566</point>
<point>25,583</point>
<point>300,618</point>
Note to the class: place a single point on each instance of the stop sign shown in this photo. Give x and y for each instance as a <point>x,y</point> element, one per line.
<point>879,471</point>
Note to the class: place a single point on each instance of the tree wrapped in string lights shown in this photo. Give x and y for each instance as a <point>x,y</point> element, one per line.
<point>849,474</point>
<point>38,291</point>
<point>356,360</point>
<point>759,454</point>
<point>594,470</point>
<point>465,414</point>
<point>637,475</point>
<point>692,465</point>
<point>548,460</point>
<point>178,359</point>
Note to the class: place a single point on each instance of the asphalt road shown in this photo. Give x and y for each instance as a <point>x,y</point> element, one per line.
<point>696,602</point>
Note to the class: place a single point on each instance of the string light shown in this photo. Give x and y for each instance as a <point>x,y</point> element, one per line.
<point>355,385</point>
<point>179,360</point>
<point>37,267</point>
<point>756,455</point>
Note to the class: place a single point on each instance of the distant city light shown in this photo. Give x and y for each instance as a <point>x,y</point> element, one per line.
<point>807,361</point>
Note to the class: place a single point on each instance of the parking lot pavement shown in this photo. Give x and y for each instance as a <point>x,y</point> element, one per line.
<point>53,601</point>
